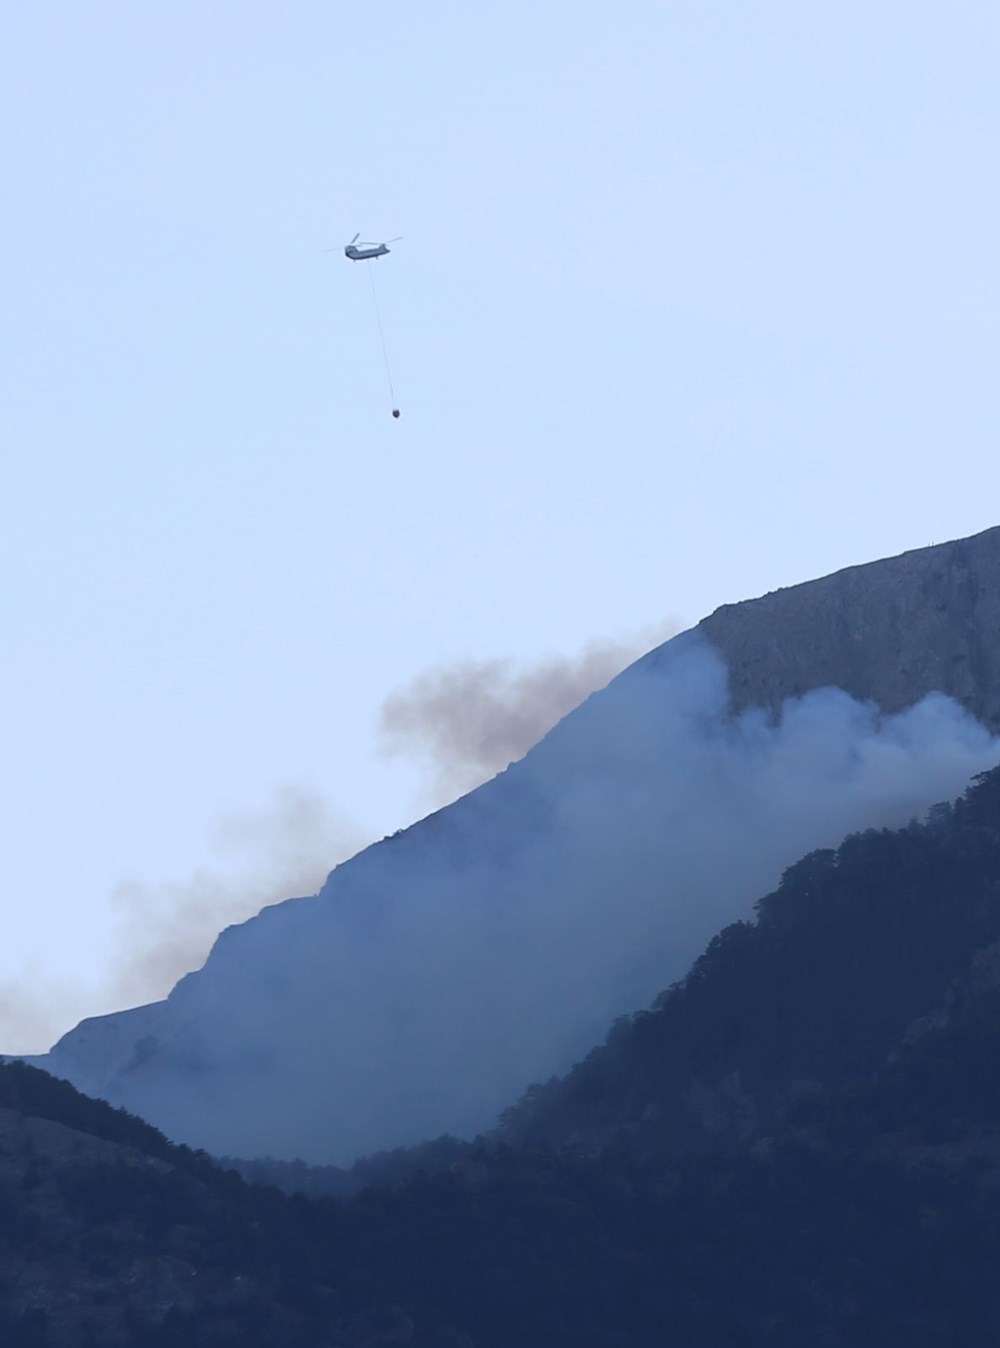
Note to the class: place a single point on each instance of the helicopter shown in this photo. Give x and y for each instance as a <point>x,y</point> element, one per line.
<point>364,252</point>
<point>361,252</point>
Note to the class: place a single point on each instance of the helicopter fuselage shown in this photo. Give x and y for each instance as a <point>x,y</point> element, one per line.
<point>362,254</point>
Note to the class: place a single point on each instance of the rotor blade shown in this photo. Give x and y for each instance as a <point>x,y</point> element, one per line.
<point>355,239</point>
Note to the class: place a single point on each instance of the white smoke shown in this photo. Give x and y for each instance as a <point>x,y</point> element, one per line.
<point>442,971</point>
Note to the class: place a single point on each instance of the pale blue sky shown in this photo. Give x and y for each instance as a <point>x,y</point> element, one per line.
<point>695,300</point>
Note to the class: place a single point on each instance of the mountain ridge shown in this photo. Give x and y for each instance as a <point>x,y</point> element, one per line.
<point>928,618</point>
<point>440,971</point>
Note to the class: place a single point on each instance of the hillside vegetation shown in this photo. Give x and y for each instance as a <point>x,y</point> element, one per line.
<point>798,1144</point>
<point>853,947</point>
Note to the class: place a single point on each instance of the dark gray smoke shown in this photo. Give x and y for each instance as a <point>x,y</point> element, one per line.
<point>467,722</point>
<point>264,855</point>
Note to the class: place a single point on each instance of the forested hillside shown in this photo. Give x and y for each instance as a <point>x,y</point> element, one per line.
<point>800,1143</point>
<point>853,947</point>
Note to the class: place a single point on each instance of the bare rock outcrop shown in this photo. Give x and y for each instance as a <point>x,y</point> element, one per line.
<point>890,632</point>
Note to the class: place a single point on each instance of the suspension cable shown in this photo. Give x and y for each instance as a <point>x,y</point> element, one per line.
<point>381,337</point>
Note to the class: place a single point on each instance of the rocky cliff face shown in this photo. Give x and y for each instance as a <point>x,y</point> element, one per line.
<point>440,972</point>
<point>888,632</point>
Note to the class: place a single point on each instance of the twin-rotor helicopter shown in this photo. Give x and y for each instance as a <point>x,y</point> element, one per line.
<point>361,252</point>
<point>367,252</point>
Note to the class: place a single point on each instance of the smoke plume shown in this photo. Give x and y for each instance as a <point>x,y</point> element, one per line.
<point>264,856</point>
<point>440,972</point>
<point>164,931</point>
<point>467,722</point>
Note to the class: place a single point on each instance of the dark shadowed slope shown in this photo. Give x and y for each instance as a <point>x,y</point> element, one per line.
<point>111,1237</point>
<point>849,958</point>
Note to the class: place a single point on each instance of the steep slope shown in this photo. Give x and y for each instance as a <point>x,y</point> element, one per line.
<point>859,951</point>
<point>439,972</point>
<point>887,632</point>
